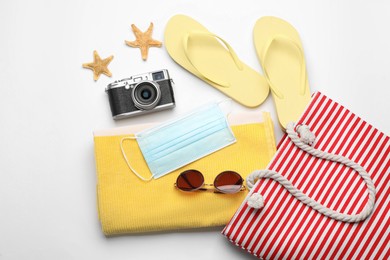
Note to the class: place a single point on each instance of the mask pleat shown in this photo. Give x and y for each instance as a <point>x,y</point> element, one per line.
<point>189,153</point>
<point>185,140</point>
<point>177,143</point>
<point>157,137</point>
<point>200,131</point>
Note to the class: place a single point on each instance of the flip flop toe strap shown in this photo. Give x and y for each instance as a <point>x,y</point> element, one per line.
<point>287,40</point>
<point>198,34</point>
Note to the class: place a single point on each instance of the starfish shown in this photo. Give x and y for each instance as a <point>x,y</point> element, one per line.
<point>143,40</point>
<point>99,66</point>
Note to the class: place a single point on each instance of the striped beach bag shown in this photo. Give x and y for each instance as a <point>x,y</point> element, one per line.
<point>287,228</point>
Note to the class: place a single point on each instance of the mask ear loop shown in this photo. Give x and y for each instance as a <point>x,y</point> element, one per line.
<point>226,107</point>
<point>127,161</point>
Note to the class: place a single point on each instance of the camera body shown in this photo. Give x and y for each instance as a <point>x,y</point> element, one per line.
<point>141,94</point>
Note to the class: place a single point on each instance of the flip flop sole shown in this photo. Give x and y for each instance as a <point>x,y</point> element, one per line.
<point>246,86</point>
<point>284,67</point>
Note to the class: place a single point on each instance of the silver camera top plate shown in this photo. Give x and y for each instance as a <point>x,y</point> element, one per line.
<point>131,81</point>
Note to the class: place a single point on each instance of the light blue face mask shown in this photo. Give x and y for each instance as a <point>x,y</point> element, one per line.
<point>176,143</point>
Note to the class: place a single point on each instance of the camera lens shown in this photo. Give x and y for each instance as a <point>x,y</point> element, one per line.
<point>146,95</point>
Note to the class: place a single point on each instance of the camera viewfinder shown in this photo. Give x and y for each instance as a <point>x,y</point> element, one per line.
<point>158,75</point>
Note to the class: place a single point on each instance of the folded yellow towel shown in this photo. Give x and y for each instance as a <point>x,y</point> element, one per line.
<point>128,205</point>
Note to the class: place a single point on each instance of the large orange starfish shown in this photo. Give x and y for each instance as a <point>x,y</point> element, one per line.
<point>143,40</point>
<point>99,66</point>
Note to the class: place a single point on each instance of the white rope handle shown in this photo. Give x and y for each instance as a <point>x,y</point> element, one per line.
<point>304,142</point>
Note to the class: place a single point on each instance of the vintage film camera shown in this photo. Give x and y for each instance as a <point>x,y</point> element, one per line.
<point>141,94</point>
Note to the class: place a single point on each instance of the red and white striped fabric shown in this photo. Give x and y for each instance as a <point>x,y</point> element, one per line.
<point>286,228</point>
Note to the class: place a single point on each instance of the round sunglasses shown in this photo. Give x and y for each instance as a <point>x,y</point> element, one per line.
<point>225,182</point>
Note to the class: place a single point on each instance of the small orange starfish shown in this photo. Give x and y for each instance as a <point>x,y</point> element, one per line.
<point>143,40</point>
<point>99,66</point>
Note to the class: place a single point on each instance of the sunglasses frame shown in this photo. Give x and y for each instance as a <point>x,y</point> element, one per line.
<point>202,186</point>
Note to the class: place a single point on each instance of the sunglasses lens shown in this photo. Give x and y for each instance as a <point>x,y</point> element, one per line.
<point>189,180</point>
<point>228,182</point>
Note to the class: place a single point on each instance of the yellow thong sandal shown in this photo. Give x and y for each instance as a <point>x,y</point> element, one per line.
<point>280,52</point>
<point>213,60</point>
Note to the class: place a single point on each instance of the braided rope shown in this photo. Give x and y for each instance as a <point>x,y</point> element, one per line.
<point>308,137</point>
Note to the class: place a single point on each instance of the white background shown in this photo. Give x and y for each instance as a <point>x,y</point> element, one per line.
<point>50,105</point>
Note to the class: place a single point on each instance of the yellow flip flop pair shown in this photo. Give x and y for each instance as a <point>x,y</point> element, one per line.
<point>213,60</point>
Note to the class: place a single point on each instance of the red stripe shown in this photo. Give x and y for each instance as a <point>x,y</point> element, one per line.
<point>359,181</point>
<point>341,169</point>
<point>281,146</point>
<point>338,172</point>
<point>321,191</point>
<point>264,191</point>
<point>281,142</point>
<point>386,141</point>
<point>328,140</point>
<point>377,222</point>
<point>291,199</point>
<point>350,226</point>
<point>305,243</point>
<point>268,184</point>
<point>304,175</point>
<point>243,210</point>
<point>332,140</point>
<point>308,170</point>
<point>289,163</point>
<point>382,161</point>
<point>339,115</point>
<point>310,159</point>
<point>369,221</point>
<point>338,202</point>
<point>348,123</point>
<point>385,245</point>
<point>356,201</point>
<point>379,236</point>
<point>287,228</point>
<point>274,188</point>
<point>311,232</point>
<point>337,234</point>
<point>292,146</point>
<point>343,113</point>
<point>373,232</point>
<point>318,236</point>
<point>326,119</point>
<point>322,162</point>
<point>374,147</point>
<point>292,208</point>
<point>338,151</point>
<point>317,98</point>
<point>321,102</point>
<point>274,214</point>
<point>364,134</point>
